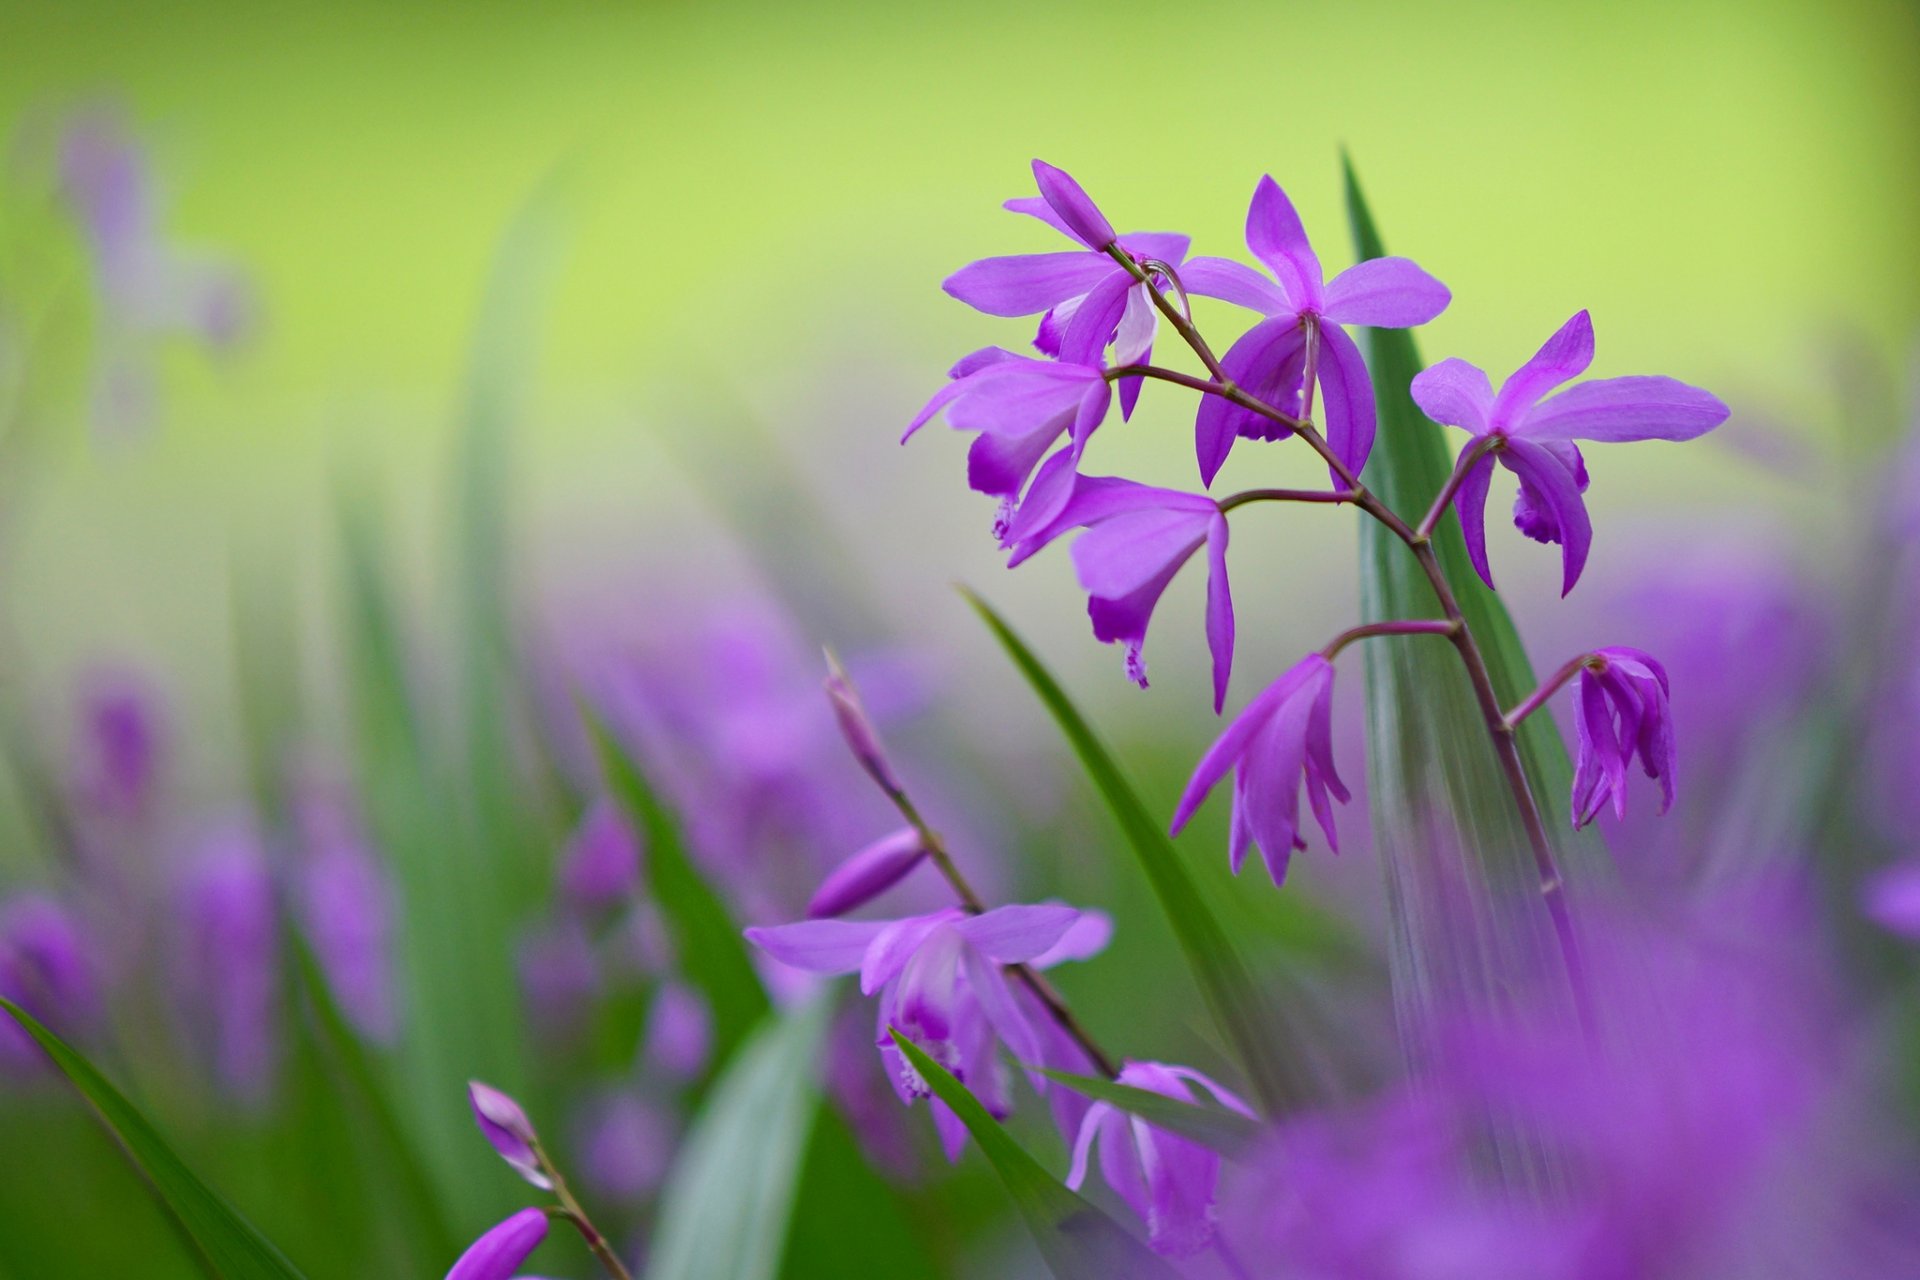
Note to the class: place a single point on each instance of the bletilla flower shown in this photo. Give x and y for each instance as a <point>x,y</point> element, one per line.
<point>504,1124</point>
<point>601,864</point>
<point>1622,712</point>
<point>497,1255</point>
<point>229,936</point>
<point>346,904</point>
<point>1533,438</point>
<point>940,982</point>
<point>47,969</point>
<point>1285,734</point>
<point>1089,300</point>
<point>868,873</point>
<point>118,748</point>
<point>1020,406</point>
<point>1167,1179</point>
<point>679,1034</point>
<point>1269,360</point>
<point>1137,539</point>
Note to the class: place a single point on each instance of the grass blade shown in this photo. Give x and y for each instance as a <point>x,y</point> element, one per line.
<point>228,1246</point>
<point>1076,1239</point>
<point>1245,1016</point>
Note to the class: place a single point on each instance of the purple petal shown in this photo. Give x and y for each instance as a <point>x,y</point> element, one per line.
<point>1219,610</point>
<point>1455,394</point>
<point>601,864</point>
<point>1026,284</point>
<point>1272,768</point>
<point>1019,932</point>
<point>1564,356</point>
<point>1076,209</point>
<point>1123,619</point>
<point>1348,395</point>
<point>1002,1010</point>
<point>1233,743</point>
<point>998,465</point>
<point>504,1124</point>
<point>819,946</point>
<point>1267,363</point>
<point>1893,898</point>
<point>1234,282</point>
<point>895,944</point>
<point>1035,207</point>
<point>497,1255</point>
<point>1386,293</point>
<point>1161,246</point>
<point>1085,938</point>
<point>1555,488</point>
<point>868,873</point>
<point>1121,554</point>
<point>1276,237</point>
<point>679,1033</point>
<point>1622,409</point>
<point>1095,320</point>
<point>1470,504</point>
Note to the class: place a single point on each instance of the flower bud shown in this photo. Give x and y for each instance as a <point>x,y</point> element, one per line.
<point>857,727</point>
<point>1076,209</point>
<point>497,1255</point>
<point>506,1126</point>
<point>867,874</point>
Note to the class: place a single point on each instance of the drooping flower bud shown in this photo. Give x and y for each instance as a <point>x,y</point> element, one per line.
<point>867,874</point>
<point>504,1124</point>
<point>497,1255</point>
<point>857,727</point>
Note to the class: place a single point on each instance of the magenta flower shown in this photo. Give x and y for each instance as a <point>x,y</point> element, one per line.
<point>1089,300</point>
<point>227,974</point>
<point>1167,1179</point>
<point>47,968</point>
<point>121,742</point>
<point>1284,734</point>
<point>600,867</point>
<point>497,1255</point>
<point>868,873</point>
<point>1622,712</point>
<point>504,1123</point>
<point>1020,406</point>
<point>1269,360</point>
<point>940,982</point>
<point>1137,539</point>
<point>679,1034</point>
<point>1533,438</point>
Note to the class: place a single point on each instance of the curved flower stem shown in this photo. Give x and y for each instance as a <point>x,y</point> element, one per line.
<point>1174,315</point>
<point>1029,977</point>
<point>1242,498</point>
<point>1463,464</point>
<point>570,1210</point>
<point>1553,684</point>
<point>1505,747</point>
<point>1410,627</point>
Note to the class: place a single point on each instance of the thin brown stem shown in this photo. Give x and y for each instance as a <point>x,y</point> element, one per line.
<point>1552,685</point>
<point>1468,456</point>
<point>1175,317</point>
<point>1367,630</point>
<point>570,1210</point>
<point>1246,496</point>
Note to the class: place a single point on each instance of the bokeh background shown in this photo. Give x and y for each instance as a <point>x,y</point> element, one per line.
<point>721,230</point>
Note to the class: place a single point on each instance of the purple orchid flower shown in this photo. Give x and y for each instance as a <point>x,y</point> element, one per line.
<point>120,745</point>
<point>1020,406</point>
<point>345,902</point>
<point>679,1034</point>
<point>940,982</point>
<point>600,867</point>
<point>497,1255</point>
<point>1284,734</point>
<point>228,974</point>
<point>1622,712</point>
<point>1137,539</point>
<point>1089,300</point>
<point>504,1124</point>
<point>868,874</point>
<point>1533,438</point>
<point>47,968</point>
<point>1269,360</point>
<point>625,1145</point>
<point>1167,1179</point>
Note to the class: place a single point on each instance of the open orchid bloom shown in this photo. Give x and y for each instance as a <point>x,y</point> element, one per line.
<point>1270,359</point>
<point>1622,713</point>
<point>1534,437</point>
<point>1284,736</point>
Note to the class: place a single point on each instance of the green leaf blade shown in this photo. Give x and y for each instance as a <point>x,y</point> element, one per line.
<point>227,1245</point>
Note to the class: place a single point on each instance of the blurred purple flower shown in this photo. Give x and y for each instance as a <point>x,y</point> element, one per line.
<point>559,978</point>
<point>625,1145</point>
<point>867,874</point>
<point>1020,406</point>
<point>1137,539</point>
<point>227,976</point>
<point>1167,1179</point>
<point>1284,735</point>
<point>1270,359</point>
<point>47,968</point>
<point>1088,298</point>
<point>679,1033</point>
<point>497,1255</point>
<point>504,1124</point>
<point>600,867</point>
<point>857,728</point>
<point>345,903</point>
<point>1622,713</point>
<point>1892,898</point>
<point>122,734</point>
<point>1534,438</point>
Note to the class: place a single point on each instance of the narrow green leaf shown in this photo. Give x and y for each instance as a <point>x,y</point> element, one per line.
<point>229,1247</point>
<point>1203,1120</point>
<point>725,1209</point>
<point>1076,1239</point>
<point>1466,917</point>
<point>706,938</point>
<point>1245,1016</point>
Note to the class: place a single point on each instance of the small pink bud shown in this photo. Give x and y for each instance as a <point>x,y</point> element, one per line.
<point>868,873</point>
<point>857,727</point>
<point>506,1126</point>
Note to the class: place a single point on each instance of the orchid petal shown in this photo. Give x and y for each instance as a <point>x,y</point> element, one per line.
<point>1560,358</point>
<point>1616,410</point>
<point>818,946</point>
<point>1455,394</point>
<point>1026,284</point>
<point>1386,293</point>
<point>1076,209</point>
<point>1234,282</point>
<point>1219,609</point>
<point>1555,486</point>
<point>1275,236</point>
<point>1470,504</point>
<point>1019,932</point>
<point>1348,395</point>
